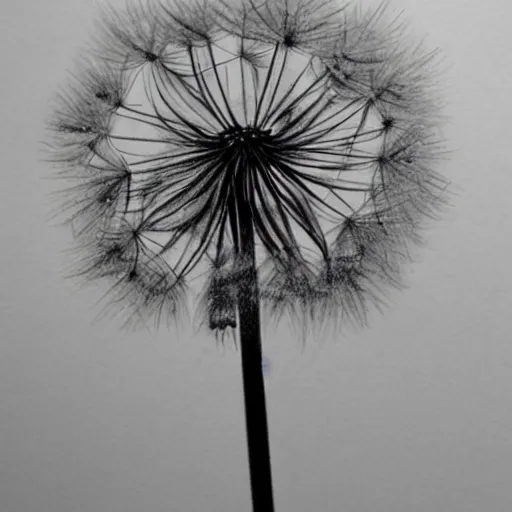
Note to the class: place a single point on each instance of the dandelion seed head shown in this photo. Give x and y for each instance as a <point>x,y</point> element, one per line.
<point>307,123</point>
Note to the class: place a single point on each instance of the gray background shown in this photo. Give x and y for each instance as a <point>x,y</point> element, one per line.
<point>412,414</point>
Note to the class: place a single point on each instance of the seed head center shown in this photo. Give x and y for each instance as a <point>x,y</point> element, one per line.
<point>246,136</point>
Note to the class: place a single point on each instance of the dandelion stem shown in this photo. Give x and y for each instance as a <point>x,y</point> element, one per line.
<point>250,342</point>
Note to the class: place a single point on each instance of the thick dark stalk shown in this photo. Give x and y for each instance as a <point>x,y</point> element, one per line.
<point>254,389</point>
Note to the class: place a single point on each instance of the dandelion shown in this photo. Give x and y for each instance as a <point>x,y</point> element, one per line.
<point>285,151</point>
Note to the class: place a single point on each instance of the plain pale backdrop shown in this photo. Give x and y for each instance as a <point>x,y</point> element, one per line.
<point>410,415</point>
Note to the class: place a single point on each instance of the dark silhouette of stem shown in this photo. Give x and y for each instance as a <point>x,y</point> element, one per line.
<point>254,389</point>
